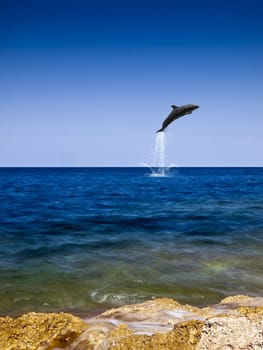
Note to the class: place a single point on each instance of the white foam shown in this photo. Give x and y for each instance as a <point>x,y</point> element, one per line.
<point>101,297</point>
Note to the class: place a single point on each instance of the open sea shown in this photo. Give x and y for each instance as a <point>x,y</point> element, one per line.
<point>86,239</point>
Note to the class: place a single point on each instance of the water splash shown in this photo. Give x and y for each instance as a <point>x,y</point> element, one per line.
<point>159,150</point>
<point>159,167</point>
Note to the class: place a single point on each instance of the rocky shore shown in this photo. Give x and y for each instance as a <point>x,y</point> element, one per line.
<point>235,323</point>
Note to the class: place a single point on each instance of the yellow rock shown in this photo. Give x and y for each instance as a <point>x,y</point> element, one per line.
<point>161,324</point>
<point>184,336</point>
<point>254,314</point>
<point>35,331</point>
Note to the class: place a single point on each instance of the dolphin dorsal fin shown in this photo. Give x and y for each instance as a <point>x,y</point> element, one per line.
<point>174,106</point>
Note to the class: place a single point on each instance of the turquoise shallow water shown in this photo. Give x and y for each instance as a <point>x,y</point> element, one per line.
<point>85,239</point>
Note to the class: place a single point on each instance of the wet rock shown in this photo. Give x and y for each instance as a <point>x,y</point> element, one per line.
<point>184,336</point>
<point>159,315</point>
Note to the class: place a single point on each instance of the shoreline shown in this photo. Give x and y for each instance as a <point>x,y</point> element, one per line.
<point>155,324</point>
<point>89,314</point>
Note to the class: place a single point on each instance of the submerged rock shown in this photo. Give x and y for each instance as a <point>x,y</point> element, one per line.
<point>163,324</point>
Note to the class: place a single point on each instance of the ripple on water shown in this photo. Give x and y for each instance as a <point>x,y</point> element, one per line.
<point>66,234</point>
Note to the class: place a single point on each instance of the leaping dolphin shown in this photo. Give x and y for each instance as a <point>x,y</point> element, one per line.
<point>176,113</point>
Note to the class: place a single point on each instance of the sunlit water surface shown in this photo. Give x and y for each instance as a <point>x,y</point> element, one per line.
<point>86,239</point>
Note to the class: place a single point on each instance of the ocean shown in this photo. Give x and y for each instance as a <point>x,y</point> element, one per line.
<point>83,240</point>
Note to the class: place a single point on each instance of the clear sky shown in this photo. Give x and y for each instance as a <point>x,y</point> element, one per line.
<point>87,83</point>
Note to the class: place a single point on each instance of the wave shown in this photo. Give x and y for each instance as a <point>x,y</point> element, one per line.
<point>117,299</point>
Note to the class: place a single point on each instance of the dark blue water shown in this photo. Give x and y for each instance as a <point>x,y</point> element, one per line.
<point>82,239</point>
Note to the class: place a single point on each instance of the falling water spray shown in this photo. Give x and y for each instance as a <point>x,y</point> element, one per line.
<point>159,166</point>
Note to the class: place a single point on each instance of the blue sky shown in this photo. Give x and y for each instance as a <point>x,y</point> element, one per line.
<point>87,83</point>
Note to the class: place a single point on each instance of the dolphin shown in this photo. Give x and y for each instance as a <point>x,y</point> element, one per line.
<point>176,113</point>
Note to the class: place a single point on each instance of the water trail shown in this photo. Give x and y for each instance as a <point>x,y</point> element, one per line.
<point>159,167</point>
<point>159,150</point>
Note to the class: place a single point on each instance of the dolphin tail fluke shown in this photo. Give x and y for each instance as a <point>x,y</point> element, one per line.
<point>160,130</point>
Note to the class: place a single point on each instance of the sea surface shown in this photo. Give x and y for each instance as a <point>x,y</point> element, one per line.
<point>86,239</point>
